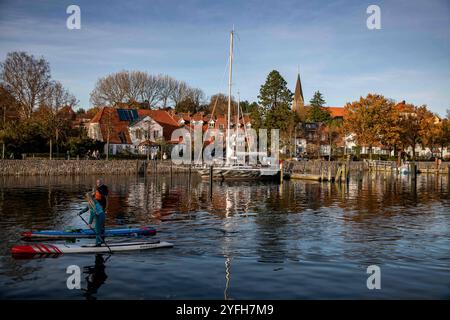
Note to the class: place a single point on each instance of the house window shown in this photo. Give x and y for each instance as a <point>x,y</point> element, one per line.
<point>155,134</point>
<point>138,134</point>
<point>221,127</point>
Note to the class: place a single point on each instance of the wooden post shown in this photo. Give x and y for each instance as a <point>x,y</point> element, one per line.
<point>210,181</point>
<point>321,171</point>
<point>448,174</point>
<point>413,170</point>
<point>189,174</point>
<point>347,172</point>
<point>281,172</point>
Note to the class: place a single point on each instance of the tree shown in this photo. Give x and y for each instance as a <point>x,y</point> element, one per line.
<point>26,78</point>
<point>192,103</point>
<point>275,98</point>
<point>56,97</point>
<point>281,117</point>
<point>120,87</point>
<point>151,89</point>
<point>53,125</point>
<point>218,104</point>
<point>168,85</point>
<point>256,113</point>
<point>333,131</point>
<point>415,122</point>
<point>316,111</point>
<point>274,92</point>
<point>443,135</point>
<point>367,118</point>
<point>187,99</point>
<point>179,93</point>
<point>9,115</point>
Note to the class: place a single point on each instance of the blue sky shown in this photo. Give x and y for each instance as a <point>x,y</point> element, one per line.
<point>409,58</point>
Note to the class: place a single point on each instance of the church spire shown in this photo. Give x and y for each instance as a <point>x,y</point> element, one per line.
<point>299,102</point>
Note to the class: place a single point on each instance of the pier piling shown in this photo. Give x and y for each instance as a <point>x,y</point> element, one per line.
<point>210,181</point>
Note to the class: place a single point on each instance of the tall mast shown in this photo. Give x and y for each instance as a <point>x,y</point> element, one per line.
<point>228,151</point>
<point>237,120</point>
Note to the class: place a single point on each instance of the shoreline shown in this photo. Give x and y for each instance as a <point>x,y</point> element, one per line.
<point>45,167</point>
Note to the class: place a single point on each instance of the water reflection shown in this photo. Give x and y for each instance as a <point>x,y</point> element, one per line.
<point>286,228</point>
<point>96,276</point>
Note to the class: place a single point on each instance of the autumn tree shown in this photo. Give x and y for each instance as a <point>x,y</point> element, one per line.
<point>416,123</point>
<point>443,135</point>
<point>366,119</point>
<point>26,78</point>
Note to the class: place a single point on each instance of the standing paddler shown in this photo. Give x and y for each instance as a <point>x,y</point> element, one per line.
<point>98,214</point>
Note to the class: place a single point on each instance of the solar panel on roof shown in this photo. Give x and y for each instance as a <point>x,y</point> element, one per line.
<point>122,114</point>
<point>135,114</point>
<point>128,114</point>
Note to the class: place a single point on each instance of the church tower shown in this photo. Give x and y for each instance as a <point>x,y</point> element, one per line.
<point>298,105</point>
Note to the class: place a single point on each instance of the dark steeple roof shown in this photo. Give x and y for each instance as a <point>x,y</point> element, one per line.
<point>299,101</point>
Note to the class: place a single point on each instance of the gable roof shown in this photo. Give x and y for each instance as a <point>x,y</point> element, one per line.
<point>164,118</point>
<point>108,120</point>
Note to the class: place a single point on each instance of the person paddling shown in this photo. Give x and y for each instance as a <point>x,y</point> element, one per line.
<point>98,214</point>
<point>101,193</point>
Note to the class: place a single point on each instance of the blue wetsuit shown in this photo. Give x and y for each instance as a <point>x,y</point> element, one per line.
<point>99,215</point>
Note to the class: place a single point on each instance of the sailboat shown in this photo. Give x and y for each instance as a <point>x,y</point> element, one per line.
<point>232,170</point>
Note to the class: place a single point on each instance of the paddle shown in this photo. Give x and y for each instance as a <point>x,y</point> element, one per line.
<point>103,240</point>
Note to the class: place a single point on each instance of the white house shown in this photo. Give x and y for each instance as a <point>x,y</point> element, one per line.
<point>144,132</point>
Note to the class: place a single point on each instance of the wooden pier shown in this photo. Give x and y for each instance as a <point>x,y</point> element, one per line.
<point>340,171</point>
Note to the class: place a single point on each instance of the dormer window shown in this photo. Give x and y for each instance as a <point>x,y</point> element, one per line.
<point>211,124</point>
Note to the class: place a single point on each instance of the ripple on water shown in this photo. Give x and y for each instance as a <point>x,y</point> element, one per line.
<point>249,241</point>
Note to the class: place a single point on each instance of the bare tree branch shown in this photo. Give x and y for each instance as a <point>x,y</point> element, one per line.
<point>26,78</point>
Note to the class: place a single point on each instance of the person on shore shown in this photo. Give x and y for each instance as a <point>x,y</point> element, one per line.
<point>101,193</point>
<point>98,214</point>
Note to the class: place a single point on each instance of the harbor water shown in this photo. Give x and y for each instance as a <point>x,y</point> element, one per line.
<point>248,240</point>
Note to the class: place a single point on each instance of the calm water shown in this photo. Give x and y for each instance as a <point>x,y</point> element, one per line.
<point>250,241</point>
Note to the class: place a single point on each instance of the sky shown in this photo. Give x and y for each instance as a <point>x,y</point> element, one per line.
<point>328,42</point>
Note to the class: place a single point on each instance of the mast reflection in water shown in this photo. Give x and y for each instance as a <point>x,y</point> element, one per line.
<point>249,240</point>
